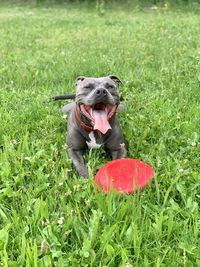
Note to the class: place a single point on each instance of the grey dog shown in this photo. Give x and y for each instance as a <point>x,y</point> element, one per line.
<point>92,120</point>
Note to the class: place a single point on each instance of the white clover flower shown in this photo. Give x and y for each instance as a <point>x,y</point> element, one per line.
<point>45,222</point>
<point>61,220</point>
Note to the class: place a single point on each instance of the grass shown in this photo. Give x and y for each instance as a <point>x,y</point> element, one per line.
<point>48,216</point>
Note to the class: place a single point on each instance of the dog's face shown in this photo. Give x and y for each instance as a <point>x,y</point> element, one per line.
<point>98,99</point>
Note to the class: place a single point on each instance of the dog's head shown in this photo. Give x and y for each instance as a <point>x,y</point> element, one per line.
<point>98,99</point>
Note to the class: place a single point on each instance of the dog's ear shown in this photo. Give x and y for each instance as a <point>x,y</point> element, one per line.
<point>79,80</point>
<point>115,79</point>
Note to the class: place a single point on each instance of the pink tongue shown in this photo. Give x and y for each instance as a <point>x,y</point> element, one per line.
<point>100,121</point>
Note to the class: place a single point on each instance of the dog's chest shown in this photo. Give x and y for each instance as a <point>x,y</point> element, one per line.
<point>95,141</point>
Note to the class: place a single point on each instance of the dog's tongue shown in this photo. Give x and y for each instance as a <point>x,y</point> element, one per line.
<point>101,121</point>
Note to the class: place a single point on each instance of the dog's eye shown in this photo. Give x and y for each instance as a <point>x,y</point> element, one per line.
<point>89,86</point>
<point>110,86</point>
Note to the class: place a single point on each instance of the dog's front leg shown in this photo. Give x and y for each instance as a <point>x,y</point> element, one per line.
<point>115,143</point>
<point>77,159</point>
<point>120,153</point>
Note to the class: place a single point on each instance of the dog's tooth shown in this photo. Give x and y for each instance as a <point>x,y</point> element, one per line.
<point>91,112</point>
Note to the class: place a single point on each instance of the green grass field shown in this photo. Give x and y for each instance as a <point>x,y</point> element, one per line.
<point>48,216</point>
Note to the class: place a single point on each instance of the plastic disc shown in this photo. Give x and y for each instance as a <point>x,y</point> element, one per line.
<point>124,175</point>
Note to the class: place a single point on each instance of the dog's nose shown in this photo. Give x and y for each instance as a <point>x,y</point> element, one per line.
<point>101,92</point>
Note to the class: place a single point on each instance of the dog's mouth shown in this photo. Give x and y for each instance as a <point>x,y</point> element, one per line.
<point>99,115</point>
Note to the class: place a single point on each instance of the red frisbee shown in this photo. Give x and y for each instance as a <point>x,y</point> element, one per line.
<point>124,175</point>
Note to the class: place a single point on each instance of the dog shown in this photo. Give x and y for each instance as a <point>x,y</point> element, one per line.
<point>92,120</point>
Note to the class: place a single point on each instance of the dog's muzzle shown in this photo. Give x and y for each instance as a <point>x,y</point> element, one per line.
<point>99,115</point>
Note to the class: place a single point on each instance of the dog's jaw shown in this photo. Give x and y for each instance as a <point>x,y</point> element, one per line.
<point>99,115</point>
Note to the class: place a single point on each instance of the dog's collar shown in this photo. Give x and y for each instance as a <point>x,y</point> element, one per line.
<point>82,124</point>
